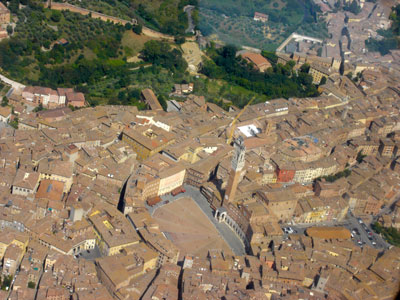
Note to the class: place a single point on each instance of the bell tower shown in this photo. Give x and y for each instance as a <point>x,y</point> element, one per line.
<point>236,168</point>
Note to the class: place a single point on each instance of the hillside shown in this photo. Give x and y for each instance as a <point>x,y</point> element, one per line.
<point>166,16</point>
<point>231,21</point>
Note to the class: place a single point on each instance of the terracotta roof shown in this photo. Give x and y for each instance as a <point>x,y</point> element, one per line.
<point>3,8</point>
<point>260,15</point>
<point>5,111</point>
<point>50,189</point>
<point>26,180</point>
<point>256,59</point>
<point>75,97</point>
<point>328,232</point>
<point>54,113</point>
<point>151,99</point>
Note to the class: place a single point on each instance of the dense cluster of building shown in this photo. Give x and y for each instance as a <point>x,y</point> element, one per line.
<point>75,188</point>
<point>49,98</point>
<point>76,182</point>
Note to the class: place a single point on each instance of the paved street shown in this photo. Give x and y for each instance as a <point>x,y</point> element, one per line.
<point>226,233</point>
<point>14,84</point>
<point>350,223</point>
<point>91,255</point>
<point>188,10</point>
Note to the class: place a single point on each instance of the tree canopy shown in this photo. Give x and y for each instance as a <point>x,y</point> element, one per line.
<point>161,53</point>
<point>281,81</point>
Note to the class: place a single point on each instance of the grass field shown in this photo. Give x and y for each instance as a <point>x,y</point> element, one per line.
<point>134,42</point>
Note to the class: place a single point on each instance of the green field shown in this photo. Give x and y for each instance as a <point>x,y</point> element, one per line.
<point>232,21</point>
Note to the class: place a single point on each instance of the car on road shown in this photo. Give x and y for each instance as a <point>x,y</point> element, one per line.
<point>288,230</point>
<point>360,221</point>
<point>355,231</point>
<point>359,242</point>
<point>88,251</point>
<point>369,233</point>
<point>373,243</point>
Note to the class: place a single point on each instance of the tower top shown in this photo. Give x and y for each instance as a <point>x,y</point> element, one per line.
<point>238,157</point>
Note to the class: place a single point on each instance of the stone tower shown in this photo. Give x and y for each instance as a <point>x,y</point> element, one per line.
<point>236,168</point>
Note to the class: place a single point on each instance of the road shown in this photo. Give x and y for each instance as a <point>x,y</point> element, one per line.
<point>350,223</point>
<point>224,230</point>
<point>91,255</point>
<point>188,10</point>
<point>15,85</point>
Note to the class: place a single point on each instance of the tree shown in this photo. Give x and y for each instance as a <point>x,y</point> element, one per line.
<point>137,29</point>
<point>163,102</point>
<point>271,56</point>
<point>323,81</point>
<point>4,102</point>
<point>31,285</point>
<point>360,157</point>
<point>56,16</point>
<point>305,68</point>
<point>10,30</point>
<point>354,7</point>
<point>6,282</point>
<point>160,53</point>
<point>179,40</point>
<point>350,75</point>
<point>128,26</point>
<point>38,108</point>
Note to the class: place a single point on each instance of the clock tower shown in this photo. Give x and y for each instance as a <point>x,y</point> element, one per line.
<point>236,168</point>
